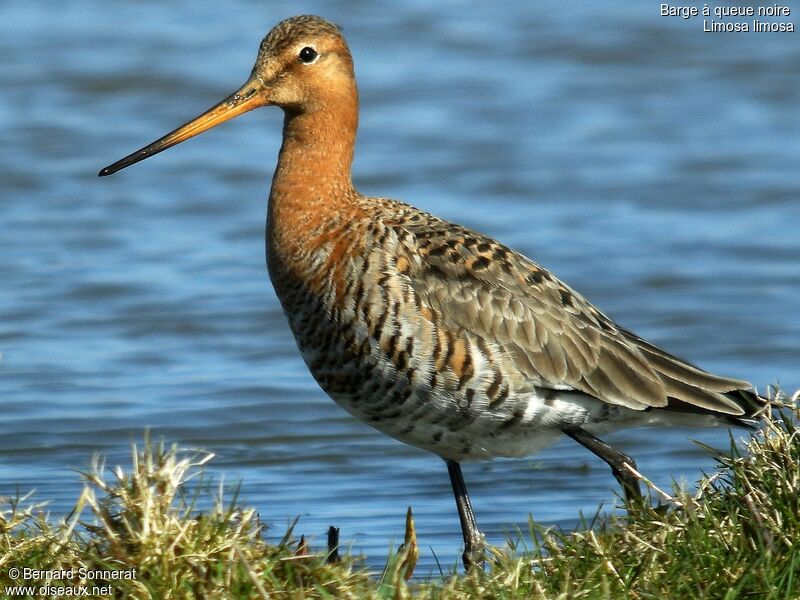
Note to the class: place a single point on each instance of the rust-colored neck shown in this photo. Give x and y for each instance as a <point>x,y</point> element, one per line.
<point>312,191</point>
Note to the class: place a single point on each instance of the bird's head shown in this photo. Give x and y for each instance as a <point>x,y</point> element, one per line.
<point>303,65</point>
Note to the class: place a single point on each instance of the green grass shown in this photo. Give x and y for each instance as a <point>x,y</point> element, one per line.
<point>737,536</point>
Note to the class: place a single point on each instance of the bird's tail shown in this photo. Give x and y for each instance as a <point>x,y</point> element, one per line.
<point>690,389</point>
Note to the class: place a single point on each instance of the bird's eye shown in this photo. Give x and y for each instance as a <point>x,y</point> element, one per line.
<point>308,55</point>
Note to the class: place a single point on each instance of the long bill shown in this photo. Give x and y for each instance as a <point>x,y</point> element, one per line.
<point>251,95</point>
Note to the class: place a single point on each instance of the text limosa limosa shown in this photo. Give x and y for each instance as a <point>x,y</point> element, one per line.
<point>430,332</point>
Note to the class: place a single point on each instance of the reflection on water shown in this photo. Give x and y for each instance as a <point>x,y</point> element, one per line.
<point>653,167</point>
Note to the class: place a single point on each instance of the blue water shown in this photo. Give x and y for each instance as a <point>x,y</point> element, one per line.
<point>654,167</point>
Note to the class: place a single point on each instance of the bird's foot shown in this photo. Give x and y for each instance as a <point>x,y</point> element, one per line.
<point>628,477</point>
<point>474,555</point>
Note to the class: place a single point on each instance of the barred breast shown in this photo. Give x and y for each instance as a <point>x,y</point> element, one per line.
<point>384,354</point>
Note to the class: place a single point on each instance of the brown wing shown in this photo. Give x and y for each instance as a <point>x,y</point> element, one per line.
<point>551,333</point>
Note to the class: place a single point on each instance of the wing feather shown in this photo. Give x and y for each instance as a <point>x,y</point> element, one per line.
<point>550,333</point>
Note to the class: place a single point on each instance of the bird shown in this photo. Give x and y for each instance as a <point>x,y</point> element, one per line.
<point>431,332</point>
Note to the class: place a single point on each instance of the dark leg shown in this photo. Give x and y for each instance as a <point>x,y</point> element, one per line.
<point>473,539</point>
<point>614,458</point>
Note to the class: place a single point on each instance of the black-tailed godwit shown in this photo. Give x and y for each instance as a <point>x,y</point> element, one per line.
<point>430,332</point>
